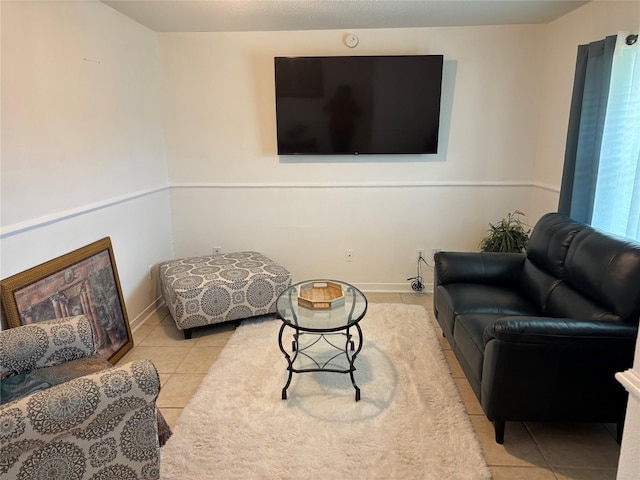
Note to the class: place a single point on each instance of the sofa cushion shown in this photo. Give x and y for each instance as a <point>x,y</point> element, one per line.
<point>550,240</point>
<point>607,270</point>
<point>564,301</point>
<point>492,299</point>
<point>537,284</point>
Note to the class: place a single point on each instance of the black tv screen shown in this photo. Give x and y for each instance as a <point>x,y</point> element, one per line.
<point>358,105</point>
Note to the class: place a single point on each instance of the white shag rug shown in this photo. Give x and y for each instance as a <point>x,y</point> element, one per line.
<point>409,424</point>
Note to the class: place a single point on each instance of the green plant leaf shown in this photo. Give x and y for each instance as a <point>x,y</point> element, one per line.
<point>507,235</point>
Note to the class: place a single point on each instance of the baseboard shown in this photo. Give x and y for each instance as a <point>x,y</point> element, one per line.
<point>146,313</point>
<point>391,287</point>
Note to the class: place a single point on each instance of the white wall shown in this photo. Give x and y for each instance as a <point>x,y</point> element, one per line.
<point>229,187</point>
<point>83,154</point>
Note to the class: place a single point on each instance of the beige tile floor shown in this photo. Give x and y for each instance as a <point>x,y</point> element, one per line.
<point>532,451</point>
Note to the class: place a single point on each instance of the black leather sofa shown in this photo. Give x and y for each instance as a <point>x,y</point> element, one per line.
<point>540,336</point>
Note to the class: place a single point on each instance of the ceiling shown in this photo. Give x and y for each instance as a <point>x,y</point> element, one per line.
<point>271,15</point>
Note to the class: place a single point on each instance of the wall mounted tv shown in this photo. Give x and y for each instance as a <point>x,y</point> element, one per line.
<point>358,104</point>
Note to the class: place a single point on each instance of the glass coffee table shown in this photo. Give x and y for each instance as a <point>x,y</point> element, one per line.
<point>323,315</point>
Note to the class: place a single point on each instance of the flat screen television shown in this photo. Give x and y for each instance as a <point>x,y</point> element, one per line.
<point>358,104</point>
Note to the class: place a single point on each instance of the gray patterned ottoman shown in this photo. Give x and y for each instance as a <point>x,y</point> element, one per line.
<point>212,289</point>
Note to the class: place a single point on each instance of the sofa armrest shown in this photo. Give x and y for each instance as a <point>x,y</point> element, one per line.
<point>555,369</point>
<point>45,344</point>
<point>477,267</point>
<point>565,331</point>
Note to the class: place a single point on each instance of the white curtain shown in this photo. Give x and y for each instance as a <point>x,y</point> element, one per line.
<point>617,196</point>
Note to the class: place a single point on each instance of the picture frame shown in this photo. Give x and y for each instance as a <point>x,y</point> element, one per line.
<point>84,281</point>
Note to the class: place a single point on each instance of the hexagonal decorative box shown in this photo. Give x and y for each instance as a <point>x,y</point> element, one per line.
<point>320,295</point>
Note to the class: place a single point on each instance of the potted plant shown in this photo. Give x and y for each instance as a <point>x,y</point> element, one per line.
<point>508,235</point>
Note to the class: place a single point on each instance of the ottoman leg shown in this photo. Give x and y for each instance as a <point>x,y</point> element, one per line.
<point>187,333</point>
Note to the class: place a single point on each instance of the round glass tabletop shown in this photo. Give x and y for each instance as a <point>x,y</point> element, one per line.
<point>321,305</point>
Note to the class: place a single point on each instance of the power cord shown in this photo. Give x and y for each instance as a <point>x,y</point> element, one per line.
<point>417,285</point>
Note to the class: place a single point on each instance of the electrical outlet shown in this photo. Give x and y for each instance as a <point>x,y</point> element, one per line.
<point>349,256</point>
<point>420,253</point>
<point>150,272</point>
<point>217,250</point>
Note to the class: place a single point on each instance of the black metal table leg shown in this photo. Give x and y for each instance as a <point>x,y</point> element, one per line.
<point>288,358</point>
<point>352,359</point>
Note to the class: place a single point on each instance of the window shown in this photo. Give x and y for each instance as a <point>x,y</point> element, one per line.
<point>601,178</point>
<point>617,195</point>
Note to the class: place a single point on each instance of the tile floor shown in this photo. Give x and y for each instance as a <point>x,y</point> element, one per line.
<point>532,451</point>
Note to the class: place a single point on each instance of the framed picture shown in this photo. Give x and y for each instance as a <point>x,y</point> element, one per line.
<point>84,281</point>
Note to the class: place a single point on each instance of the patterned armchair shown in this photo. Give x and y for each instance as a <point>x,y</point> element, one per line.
<point>57,424</point>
